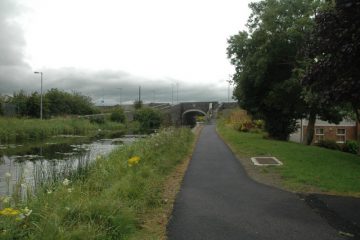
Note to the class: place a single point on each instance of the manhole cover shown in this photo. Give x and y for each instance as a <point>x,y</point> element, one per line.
<point>265,161</point>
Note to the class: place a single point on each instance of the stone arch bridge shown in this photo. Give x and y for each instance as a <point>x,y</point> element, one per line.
<point>185,113</point>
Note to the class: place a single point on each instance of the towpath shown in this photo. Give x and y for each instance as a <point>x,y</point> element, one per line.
<point>219,201</point>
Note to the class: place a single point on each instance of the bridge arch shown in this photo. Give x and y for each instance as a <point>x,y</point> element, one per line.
<point>188,116</point>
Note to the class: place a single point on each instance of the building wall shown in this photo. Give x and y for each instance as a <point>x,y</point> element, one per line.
<point>330,133</point>
<point>329,130</point>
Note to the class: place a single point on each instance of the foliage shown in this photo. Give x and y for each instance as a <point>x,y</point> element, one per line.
<point>351,147</point>
<point>19,130</point>
<point>138,104</point>
<point>200,118</point>
<point>241,121</point>
<point>334,56</point>
<point>118,115</point>
<point>265,58</point>
<point>111,201</point>
<point>149,119</point>
<point>99,119</point>
<point>306,168</point>
<point>55,103</point>
<point>330,144</point>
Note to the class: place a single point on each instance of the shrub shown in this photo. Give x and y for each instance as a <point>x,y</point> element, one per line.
<point>330,144</point>
<point>148,118</point>
<point>118,116</point>
<point>351,147</point>
<point>100,119</point>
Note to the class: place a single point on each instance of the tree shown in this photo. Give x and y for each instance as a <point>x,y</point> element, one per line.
<point>148,118</point>
<point>138,104</point>
<point>335,51</point>
<point>118,115</point>
<point>264,59</point>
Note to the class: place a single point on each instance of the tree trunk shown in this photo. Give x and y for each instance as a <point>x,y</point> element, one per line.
<point>310,128</point>
<point>357,111</point>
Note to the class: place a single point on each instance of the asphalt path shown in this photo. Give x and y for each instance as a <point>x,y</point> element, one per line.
<point>219,201</point>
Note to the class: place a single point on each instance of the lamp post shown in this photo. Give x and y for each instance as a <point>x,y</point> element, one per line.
<point>41,94</point>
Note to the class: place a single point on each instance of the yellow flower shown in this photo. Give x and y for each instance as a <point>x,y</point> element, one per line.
<point>9,212</point>
<point>133,161</point>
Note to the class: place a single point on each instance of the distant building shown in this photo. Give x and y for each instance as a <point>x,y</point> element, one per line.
<point>340,133</point>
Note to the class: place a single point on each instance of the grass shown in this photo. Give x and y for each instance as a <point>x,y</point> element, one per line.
<point>111,201</point>
<point>305,167</point>
<point>19,130</point>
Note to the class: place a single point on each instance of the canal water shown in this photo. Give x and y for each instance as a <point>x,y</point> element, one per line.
<point>27,166</point>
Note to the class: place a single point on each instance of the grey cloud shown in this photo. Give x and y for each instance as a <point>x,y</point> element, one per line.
<point>16,74</point>
<point>13,68</point>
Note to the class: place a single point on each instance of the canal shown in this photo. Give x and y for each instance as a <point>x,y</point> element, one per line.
<point>25,167</point>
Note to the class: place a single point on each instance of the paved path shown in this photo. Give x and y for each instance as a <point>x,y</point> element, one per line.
<point>219,201</point>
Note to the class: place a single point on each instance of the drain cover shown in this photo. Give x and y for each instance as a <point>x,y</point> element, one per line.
<point>265,161</point>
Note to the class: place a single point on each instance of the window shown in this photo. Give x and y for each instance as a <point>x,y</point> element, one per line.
<point>319,134</point>
<point>340,135</point>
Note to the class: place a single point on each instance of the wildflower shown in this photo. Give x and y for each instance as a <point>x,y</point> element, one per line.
<point>49,191</point>
<point>133,161</point>
<point>66,182</point>
<point>9,212</point>
<point>6,199</point>
<point>7,175</point>
<point>26,211</point>
<point>20,217</point>
<point>69,190</point>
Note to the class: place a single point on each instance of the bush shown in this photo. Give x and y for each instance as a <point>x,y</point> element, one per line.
<point>148,118</point>
<point>100,119</point>
<point>118,116</point>
<point>351,147</point>
<point>330,144</point>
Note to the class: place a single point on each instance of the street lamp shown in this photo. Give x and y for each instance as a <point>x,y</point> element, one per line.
<point>41,95</point>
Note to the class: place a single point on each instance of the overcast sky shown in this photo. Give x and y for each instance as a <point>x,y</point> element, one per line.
<point>97,47</point>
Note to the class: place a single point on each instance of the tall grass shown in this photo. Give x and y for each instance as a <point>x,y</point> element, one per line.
<point>110,201</point>
<point>17,130</point>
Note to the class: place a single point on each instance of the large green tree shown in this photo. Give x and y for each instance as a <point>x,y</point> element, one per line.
<point>335,50</point>
<point>265,57</point>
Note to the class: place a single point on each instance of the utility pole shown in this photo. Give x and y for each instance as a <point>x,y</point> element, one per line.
<point>172,94</point>
<point>41,94</point>
<point>177,92</point>
<point>230,82</point>
<point>120,96</point>
<point>139,94</point>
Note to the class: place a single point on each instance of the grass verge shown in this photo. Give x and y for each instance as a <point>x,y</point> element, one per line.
<point>305,169</point>
<point>110,202</point>
<point>19,130</point>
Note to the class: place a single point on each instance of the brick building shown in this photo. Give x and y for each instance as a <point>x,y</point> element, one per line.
<point>340,133</point>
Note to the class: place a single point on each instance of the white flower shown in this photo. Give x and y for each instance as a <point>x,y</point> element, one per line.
<point>8,175</point>
<point>49,191</point>
<point>27,211</point>
<point>66,182</point>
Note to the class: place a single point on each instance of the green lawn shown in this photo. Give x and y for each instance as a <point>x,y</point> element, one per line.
<point>304,166</point>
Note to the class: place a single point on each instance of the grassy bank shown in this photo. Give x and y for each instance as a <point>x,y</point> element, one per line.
<point>18,130</point>
<point>110,202</point>
<point>306,168</point>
